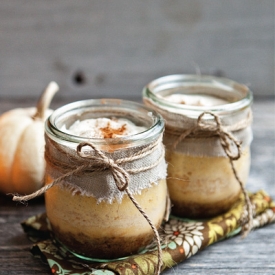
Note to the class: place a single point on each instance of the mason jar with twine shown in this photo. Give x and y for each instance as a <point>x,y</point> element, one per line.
<point>105,198</point>
<point>207,147</point>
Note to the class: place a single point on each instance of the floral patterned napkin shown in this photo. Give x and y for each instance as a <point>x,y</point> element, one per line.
<point>180,240</point>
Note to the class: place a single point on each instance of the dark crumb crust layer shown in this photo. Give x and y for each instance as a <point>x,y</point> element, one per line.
<point>104,247</point>
<point>197,210</point>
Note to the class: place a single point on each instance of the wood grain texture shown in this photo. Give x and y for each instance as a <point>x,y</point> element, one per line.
<point>250,256</point>
<point>105,48</point>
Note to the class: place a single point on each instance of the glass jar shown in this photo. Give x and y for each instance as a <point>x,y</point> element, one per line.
<point>200,180</point>
<point>87,212</point>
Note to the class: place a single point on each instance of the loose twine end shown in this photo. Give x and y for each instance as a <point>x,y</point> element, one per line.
<point>25,198</point>
<point>160,262</point>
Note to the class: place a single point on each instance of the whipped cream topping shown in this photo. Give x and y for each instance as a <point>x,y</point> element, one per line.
<point>196,100</point>
<point>103,128</point>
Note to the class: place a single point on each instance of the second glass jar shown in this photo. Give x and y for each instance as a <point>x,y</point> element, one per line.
<point>200,179</point>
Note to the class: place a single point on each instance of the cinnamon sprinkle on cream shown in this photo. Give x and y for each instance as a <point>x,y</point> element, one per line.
<point>109,132</point>
<point>103,128</point>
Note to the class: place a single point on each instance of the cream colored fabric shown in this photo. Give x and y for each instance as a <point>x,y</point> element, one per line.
<point>202,143</point>
<point>101,184</point>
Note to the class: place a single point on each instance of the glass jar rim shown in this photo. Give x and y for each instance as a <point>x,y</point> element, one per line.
<point>244,94</point>
<point>54,131</point>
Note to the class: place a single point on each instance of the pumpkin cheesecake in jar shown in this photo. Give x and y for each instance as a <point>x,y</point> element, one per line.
<point>101,153</point>
<point>207,128</point>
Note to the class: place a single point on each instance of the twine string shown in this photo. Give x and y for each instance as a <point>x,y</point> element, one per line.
<point>142,169</point>
<point>160,262</point>
<point>99,161</point>
<point>183,136</point>
<point>248,223</point>
<point>120,175</point>
<point>141,153</point>
<point>121,178</point>
<point>226,138</point>
<point>227,141</point>
<point>42,190</point>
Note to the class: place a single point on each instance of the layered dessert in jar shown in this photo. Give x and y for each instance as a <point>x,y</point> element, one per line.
<point>87,212</point>
<point>200,178</point>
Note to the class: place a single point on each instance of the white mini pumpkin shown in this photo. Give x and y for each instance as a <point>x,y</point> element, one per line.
<point>22,164</point>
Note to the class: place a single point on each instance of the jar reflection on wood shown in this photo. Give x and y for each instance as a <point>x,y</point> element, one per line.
<point>203,116</point>
<point>89,211</point>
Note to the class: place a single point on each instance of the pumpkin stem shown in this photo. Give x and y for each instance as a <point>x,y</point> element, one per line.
<point>45,100</point>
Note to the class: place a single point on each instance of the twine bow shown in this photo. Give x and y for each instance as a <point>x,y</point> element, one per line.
<point>228,142</point>
<point>120,175</point>
<point>226,138</point>
<point>122,179</point>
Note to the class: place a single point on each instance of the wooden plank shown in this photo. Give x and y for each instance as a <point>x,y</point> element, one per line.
<point>250,256</point>
<point>118,47</point>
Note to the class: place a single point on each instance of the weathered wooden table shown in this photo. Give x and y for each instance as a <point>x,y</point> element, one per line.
<point>253,255</point>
